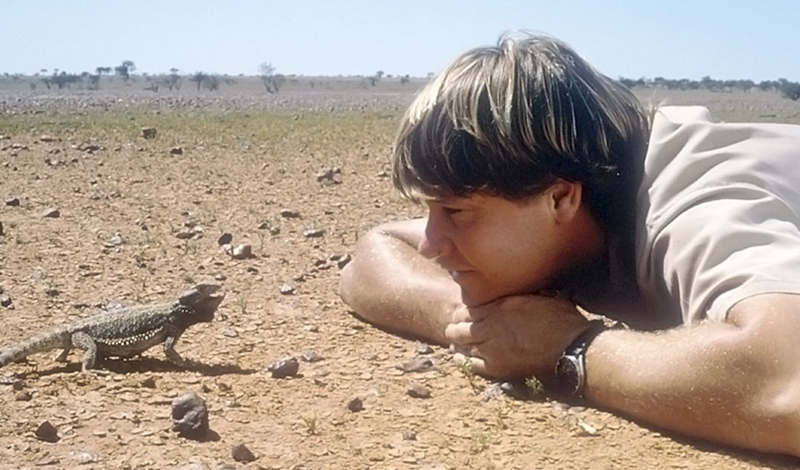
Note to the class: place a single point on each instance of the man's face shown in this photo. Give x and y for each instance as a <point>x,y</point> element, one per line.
<point>491,246</point>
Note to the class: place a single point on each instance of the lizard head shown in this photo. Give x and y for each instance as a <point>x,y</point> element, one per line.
<point>203,298</point>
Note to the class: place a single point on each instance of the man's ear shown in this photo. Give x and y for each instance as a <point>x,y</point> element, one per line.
<point>565,200</point>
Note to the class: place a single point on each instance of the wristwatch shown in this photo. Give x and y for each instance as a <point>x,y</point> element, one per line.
<point>571,366</point>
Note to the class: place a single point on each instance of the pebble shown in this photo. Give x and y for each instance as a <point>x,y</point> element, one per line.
<point>194,466</point>
<point>310,356</point>
<point>224,239</point>
<point>286,289</point>
<point>242,252</point>
<point>47,432</point>
<point>286,367</point>
<point>314,232</point>
<point>241,453</point>
<point>416,390</point>
<point>51,213</point>
<point>23,395</point>
<point>190,416</point>
<point>82,457</point>
<point>290,214</point>
<point>6,302</point>
<point>419,364</point>
<point>149,132</point>
<point>176,151</point>
<point>12,202</point>
<point>343,261</point>
<point>423,349</point>
<point>355,405</point>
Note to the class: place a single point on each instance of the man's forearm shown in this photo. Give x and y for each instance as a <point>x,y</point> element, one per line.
<point>390,284</point>
<point>707,380</point>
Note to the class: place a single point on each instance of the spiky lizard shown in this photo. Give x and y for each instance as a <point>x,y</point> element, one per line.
<point>127,331</point>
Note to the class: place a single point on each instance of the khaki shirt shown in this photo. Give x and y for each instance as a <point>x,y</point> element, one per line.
<point>718,215</point>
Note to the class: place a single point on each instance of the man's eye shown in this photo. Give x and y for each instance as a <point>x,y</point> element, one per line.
<point>450,210</point>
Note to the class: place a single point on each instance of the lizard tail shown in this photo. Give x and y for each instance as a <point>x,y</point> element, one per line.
<point>34,345</point>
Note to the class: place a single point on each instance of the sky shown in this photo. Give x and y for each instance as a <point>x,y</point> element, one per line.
<point>723,39</point>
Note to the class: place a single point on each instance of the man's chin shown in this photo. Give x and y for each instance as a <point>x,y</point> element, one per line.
<point>476,299</point>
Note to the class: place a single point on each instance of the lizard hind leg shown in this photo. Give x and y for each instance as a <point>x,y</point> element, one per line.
<point>85,343</point>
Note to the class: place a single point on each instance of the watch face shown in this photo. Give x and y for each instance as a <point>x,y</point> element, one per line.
<point>567,374</point>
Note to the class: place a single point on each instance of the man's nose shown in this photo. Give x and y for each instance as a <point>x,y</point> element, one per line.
<point>432,242</point>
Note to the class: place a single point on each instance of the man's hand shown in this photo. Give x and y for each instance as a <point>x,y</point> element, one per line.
<point>515,337</point>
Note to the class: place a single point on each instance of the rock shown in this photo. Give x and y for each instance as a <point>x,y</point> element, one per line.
<point>47,432</point>
<point>12,202</point>
<point>313,232</point>
<point>290,214</point>
<point>241,453</point>
<point>6,302</point>
<point>242,252</point>
<point>82,457</point>
<point>343,261</point>
<point>47,138</point>
<point>1,229</point>
<point>419,364</point>
<point>149,132</point>
<point>286,289</point>
<point>23,395</point>
<point>409,435</point>
<point>416,390</point>
<point>224,239</point>
<point>190,416</point>
<point>286,367</point>
<point>149,382</point>
<point>355,405</point>
<point>194,466</point>
<point>423,349</point>
<point>176,151</point>
<point>310,356</point>
<point>51,213</point>
<point>116,240</point>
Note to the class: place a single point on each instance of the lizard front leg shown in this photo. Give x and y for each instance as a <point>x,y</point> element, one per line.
<point>85,343</point>
<point>169,349</point>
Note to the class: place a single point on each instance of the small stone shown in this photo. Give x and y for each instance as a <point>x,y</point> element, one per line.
<point>416,390</point>
<point>6,302</point>
<point>241,453</point>
<point>12,202</point>
<point>1,229</point>
<point>310,356</point>
<point>230,333</point>
<point>286,289</point>
<point>419,364</point>
<point>116,240</point>
<point>47,461</point>
<point>194,466</point>
<point>423,349</point>
<point>314,232</point>
<point>190,416</point>
<point>242,252</point>
<point>290,214</point>
<point>186,234</point>
<point>149,132</point>
<point>23,395</point>
<point>176,151</point>
<point>224,239</point>
<point>409,435</point>
<point>82,457</point>
<point>47,138</point>
<point>149,382</point>
<point>343,261</point>
<point>51,213</point>
<point>47,432</point>
<point>355,405</point>
<point>286,367</point>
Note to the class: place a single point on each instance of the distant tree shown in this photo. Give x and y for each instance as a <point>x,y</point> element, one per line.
<point>404,79</point>
<point>789,89</point>
<point>272,81</point>
<point>199,78</point>
<point>173,80</point>
<point>124,69</point>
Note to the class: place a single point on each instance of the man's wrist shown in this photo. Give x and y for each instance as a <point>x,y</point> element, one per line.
<point>570,370</point>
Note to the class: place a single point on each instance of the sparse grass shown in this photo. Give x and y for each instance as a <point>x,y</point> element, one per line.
<point>535,387</point>
<point>467,371</point>
<point>480,441</point>
<point>310,422</point>
<point>241,301</point>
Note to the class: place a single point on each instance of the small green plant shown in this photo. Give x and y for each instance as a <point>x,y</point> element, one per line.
<point>480,441</point>
<point>311,423</point>
<point>535,387</point>
<point>241,300</point>
<point>466,369</point>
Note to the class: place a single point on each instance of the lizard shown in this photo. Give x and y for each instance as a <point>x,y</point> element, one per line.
<point>127,331</point>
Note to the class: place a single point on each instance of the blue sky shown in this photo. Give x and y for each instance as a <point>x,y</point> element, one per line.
<point>631,38</point>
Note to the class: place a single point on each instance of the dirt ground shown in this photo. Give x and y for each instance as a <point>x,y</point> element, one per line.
<point>246,157</point>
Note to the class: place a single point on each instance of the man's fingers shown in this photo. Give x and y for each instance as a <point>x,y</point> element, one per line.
<point>465,332</point>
